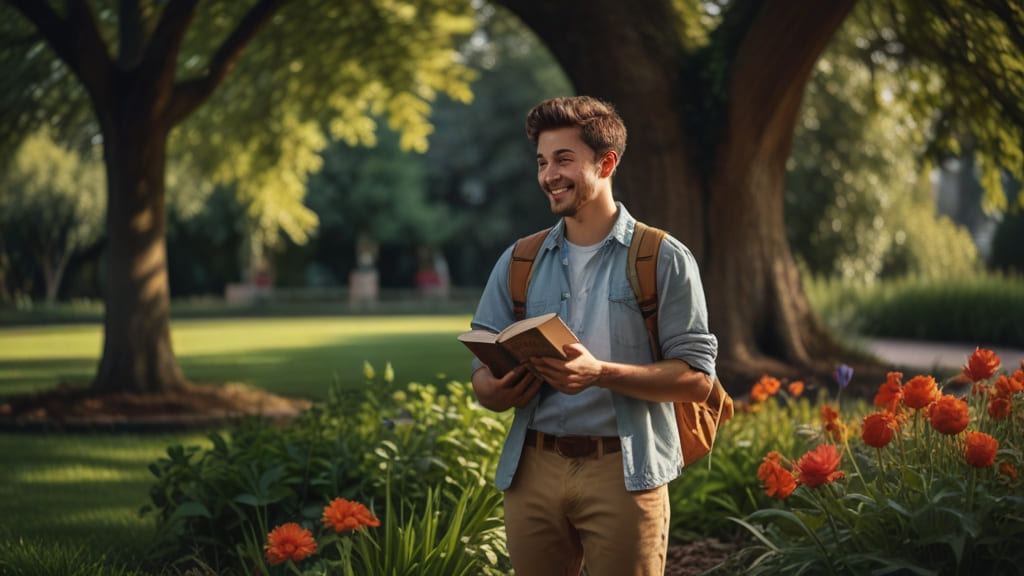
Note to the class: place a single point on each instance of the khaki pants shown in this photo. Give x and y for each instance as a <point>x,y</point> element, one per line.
<point>560,512</point>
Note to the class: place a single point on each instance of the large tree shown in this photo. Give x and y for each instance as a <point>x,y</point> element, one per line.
<point>712,110</point>
<point>311,69</point>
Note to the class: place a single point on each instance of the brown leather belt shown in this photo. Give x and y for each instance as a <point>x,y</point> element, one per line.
<point>575,446</point>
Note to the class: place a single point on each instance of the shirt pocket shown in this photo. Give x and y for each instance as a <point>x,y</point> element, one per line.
<point>628,333</point>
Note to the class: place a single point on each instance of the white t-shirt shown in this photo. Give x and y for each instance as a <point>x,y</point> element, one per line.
<point>591,412</point>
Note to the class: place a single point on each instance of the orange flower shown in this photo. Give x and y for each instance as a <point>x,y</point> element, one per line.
<point>949,415</point>
<point>890,393</point>
<point>981,365</point>
<point>289,542</point>
<point>818,466</point>
<point>1007,469</point>
<point>1000,408</point>
<point>835,428</point>
<point>878,429</point>
<point>980,449</point>
<point>758,393</point>
<point>344,515</point>
<point>796,388</point>
<point>771,385</point>
<point>778,481</point>
<point>920,392</point>
<point>1007,387</point>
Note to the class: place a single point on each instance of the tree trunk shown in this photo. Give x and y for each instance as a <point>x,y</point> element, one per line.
<point>707,160</point>
<point>137,352</point>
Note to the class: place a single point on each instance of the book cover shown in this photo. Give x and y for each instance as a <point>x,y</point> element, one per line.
<point>543,335</point>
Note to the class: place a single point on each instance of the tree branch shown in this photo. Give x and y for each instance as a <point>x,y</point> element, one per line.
<point>75,39</point>
<point>190,94</point>
<point>54,30</point>
<point>770,70</point>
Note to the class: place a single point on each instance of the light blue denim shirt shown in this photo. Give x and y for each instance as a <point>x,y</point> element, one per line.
<point>651,455</point>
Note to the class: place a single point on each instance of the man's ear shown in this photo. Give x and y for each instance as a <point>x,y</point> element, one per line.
<point>608,163</point>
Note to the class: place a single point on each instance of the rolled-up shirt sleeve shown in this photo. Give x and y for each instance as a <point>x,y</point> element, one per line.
<point>682,309</point>
<point>494,311</point>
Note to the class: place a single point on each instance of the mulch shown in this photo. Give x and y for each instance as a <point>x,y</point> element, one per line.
<point>70,408</point>
<point>697,558</point>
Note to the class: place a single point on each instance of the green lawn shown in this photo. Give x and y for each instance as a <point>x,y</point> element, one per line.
<point>290,356</point>
<point>82,492</point>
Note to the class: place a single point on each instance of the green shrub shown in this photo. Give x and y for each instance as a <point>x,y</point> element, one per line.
<point>425,444</point>
<point>1008,244</point>
<point>911,490</point>
<point>984,309</point>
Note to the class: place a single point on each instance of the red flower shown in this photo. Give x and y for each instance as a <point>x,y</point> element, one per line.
<point>344,515</point>
<point>890,393</point>
<point>1007,469</point>
<point>949,415</point>
<point>1000,408</point>
<point>920,392</point>
<point>289,542</point>
<point>819,466</point>
<point>1018,378</point>
<point>778,481</point>
<point>771,385</point>
<point>1007,387</point>
<point>758,393</point>
<point>981,365</point>
<point>796,388</point>
<point>878,429</point>
<point>980,449</point>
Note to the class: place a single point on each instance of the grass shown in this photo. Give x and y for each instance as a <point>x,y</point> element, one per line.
<point>288,356</point>
<point>71,501</point>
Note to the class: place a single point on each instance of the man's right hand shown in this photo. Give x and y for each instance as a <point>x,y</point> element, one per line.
<point>515,389</point>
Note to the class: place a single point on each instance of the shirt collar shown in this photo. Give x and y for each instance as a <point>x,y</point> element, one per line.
<point>622,230</point>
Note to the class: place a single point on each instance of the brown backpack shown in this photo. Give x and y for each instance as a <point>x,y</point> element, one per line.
<point>698,422</point>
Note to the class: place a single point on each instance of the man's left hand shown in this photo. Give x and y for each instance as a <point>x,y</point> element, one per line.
<point>579,371</point>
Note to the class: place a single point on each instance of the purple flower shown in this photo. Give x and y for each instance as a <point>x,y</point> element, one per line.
<point>843,375</point>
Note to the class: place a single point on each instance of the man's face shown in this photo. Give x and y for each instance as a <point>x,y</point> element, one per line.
<point>566,170</point>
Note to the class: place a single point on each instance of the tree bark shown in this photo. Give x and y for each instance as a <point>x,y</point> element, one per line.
<point>137,353</point>
<point>707,160</point>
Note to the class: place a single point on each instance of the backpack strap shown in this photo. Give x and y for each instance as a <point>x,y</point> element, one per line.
<point>642,270</point>
<point>520,269</point>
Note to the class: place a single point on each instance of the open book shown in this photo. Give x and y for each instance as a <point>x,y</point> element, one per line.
<point>538,336</point>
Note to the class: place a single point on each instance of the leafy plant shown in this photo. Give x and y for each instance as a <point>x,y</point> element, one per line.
<point>708,493</point>
<point>357,445</point>
<point>931,487</point>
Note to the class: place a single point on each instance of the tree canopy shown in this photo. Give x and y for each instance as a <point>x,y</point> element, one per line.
<point>263,83</point>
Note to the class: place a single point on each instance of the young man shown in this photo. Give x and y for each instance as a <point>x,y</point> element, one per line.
<point>593,444</point>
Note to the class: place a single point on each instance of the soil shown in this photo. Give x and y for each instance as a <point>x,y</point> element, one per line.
<point>698,557</point>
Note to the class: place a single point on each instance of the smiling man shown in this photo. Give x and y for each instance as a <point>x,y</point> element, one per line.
<point>586,464</point>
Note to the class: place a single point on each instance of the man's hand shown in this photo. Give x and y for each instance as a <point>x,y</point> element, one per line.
<point>515,389</point>
<point>579,371</point>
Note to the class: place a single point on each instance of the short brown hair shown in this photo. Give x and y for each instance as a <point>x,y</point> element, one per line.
<point>601,128</point>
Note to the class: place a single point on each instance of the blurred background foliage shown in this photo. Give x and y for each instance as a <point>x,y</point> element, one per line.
<point>883,180</point>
